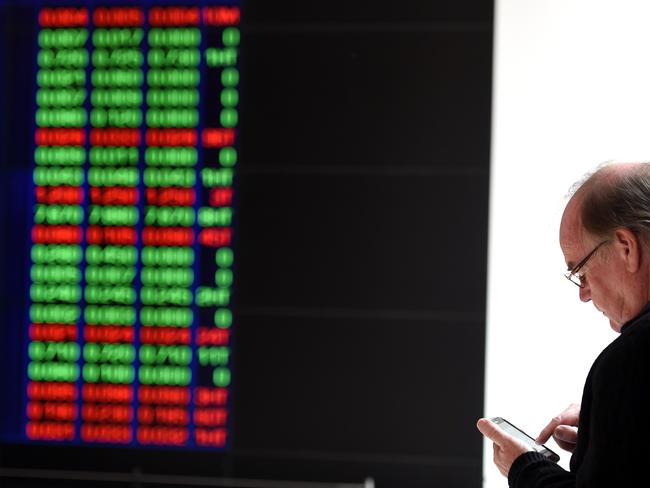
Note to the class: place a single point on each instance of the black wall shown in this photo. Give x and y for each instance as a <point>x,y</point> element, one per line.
<point>361,227</point>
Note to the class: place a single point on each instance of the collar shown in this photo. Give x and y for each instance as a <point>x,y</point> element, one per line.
<point>645,310</point>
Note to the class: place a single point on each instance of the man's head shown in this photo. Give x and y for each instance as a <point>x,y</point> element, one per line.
<point>609,215</point>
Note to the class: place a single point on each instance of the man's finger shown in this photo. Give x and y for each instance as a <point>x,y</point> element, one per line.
<point>547,431</point>
<point>492,431</point>
<point>570,416</point>
<point>566,433</point>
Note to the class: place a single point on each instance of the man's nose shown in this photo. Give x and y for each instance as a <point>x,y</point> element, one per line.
<point>585,293</point>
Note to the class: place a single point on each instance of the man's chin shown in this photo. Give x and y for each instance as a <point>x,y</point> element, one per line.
<point>614,325</point>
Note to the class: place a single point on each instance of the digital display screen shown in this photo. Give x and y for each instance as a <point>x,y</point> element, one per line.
<point>127,337</point>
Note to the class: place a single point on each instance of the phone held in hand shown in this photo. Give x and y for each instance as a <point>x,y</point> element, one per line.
<point>525,438</point>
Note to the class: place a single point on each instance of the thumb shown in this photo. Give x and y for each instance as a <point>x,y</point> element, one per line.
<point>492,431</point>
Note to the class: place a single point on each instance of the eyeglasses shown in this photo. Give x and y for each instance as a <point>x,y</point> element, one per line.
<point>574,275</point>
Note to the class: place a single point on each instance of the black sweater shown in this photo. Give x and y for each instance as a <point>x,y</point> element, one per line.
<point>613,447</point>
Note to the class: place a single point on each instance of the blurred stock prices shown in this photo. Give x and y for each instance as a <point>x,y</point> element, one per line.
<point>128,333</point>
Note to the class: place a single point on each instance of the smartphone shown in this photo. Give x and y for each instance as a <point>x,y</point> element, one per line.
<point>528,440</point>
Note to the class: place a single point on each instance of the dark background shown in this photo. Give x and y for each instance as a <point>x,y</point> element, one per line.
<point>361,245</point>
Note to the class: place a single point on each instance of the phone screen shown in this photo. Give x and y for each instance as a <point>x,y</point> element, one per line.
<point>528,440</point>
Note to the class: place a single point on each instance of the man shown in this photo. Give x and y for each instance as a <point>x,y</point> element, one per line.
<point>605,239</point>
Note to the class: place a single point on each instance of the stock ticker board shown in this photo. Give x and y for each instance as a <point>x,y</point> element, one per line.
<point>128,332</point>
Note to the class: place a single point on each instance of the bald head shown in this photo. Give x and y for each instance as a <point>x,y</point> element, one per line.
<point>616,195</point>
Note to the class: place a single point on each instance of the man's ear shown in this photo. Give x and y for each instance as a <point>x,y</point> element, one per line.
<point>628,246</point>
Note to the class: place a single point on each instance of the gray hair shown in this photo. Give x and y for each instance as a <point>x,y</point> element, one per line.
<point>615,196</point>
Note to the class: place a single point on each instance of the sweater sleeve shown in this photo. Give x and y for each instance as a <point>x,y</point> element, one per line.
<point>533,470</point>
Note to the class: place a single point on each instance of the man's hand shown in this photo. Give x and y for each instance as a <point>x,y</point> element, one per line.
<point>563,428</point>
<point>506,447</point>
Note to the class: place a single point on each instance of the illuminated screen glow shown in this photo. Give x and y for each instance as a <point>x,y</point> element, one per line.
<point>135,148</point>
